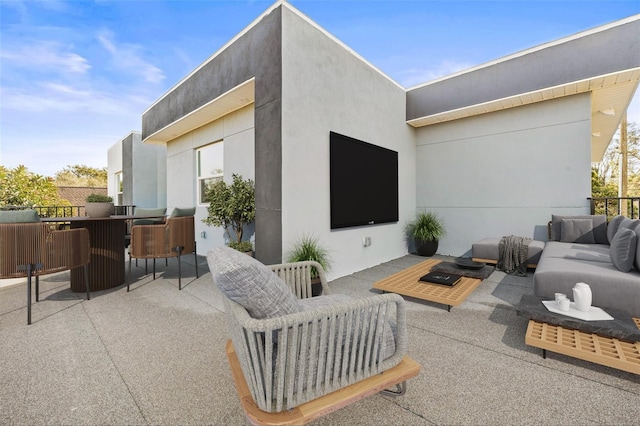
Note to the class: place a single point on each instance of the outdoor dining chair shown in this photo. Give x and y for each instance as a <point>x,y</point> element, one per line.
<point>31,248</point>
<point>173,239</point>
<point>294,357</point>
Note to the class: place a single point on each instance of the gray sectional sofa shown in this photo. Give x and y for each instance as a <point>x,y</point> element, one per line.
<point>586,249</point>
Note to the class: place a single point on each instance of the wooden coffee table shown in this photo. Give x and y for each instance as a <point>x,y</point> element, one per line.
<point>407,283</point>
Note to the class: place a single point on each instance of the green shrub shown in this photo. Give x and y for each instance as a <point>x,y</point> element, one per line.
<point>309,248</point>
<point>427,226</point>
<point>99,198</point>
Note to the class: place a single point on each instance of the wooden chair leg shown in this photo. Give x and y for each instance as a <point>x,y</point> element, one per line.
<point>154,268</point>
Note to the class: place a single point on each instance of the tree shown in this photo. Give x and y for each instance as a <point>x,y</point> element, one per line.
<point>81,175</point>
<point>20,187</point>
<point>608,170</point>
<point>231,206</point>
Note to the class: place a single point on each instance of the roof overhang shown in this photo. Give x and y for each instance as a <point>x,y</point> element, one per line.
<point>611,96</point>
<point>232,100</point>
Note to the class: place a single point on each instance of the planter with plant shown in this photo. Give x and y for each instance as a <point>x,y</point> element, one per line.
<point>426,230</point>
<point>308,247</point>
<point>232,207</point>
<point>99,205</point>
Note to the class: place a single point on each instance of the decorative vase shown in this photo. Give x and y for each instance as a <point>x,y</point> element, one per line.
<point>426,248</point>
<point>99,209</point>
<point>582,296</point>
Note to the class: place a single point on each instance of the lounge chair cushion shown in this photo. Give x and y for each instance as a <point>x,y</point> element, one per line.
<point>251,284</point>
<point>149,212</point>
<point>19,216</point>
<point>613,226</point>
<point>180,212</point>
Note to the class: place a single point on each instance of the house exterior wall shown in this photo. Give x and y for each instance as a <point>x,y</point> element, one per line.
<point>237,131</point>
<point>256,53</point>
<point>599,53</point>
<point>149,171</point>
<point>114,166</point>
<point>506,172</point>
<point>143,169</point>
<point>328,88</point>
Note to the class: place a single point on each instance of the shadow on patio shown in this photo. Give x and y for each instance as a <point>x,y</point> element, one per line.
<point>156,355</point>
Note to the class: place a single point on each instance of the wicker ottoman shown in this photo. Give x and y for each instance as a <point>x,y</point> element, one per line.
<point>486,250</point>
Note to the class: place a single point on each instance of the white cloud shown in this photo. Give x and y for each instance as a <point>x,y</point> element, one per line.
<point>45,54</point>
<point>128,58</point>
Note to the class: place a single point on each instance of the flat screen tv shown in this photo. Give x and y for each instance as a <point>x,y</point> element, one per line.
<point>363,183</point>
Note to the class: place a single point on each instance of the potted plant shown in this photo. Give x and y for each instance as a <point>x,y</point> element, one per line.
<point>232,207</point>
<point>426,230</point>
<point>99,205</point>
<point>308,247</point>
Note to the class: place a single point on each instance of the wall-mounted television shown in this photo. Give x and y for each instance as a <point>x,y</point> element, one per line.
<point>363,183</point>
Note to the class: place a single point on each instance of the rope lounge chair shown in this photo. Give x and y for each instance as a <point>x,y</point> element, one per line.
<point>295,358</point>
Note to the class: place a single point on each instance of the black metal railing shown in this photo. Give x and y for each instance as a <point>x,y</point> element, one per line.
<point>67,211</point>
<point>613,206</point>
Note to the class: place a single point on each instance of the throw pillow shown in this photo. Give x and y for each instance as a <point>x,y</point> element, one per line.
<point>251,284</point>
<point>599,227</point>
<point>613,226</point>
<point>19,216</point>
<point>636,263</point>
<point>180,212</point>
<point>577,231</point>
<point>623,249</point>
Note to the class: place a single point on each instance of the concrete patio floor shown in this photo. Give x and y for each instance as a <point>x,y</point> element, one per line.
<point>156,355</point>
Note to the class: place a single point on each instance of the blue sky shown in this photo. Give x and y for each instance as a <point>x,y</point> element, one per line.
<point>75,76</point>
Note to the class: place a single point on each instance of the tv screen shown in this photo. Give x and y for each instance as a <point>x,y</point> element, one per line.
<point>363,183</point>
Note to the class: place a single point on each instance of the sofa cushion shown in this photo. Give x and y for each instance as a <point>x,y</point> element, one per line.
<point>610,287</point>
<point>599,227</point>
<point>623,249</point>
<point>251,284</point>
<point>19,216</point>
<point>577,231</point>
<point>613,226</point>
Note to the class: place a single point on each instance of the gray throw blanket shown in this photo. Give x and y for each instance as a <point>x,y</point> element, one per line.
<point>513,253</point>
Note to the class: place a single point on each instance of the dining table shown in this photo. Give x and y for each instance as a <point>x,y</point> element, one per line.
<point>107,248</point>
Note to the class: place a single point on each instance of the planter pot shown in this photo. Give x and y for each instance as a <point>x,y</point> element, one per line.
<point>99,209</point>
<point>316,287</point>
<point>426,248</point>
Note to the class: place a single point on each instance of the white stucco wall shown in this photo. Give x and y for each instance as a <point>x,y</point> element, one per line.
<point>326,88</point>
<point>150,174</point>
<point>506,172</point>
<point>237,131</point>
<point>114,166</point>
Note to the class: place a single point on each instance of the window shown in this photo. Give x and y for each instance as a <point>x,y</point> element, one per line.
<point>119,186</point>
<point>209,165</point>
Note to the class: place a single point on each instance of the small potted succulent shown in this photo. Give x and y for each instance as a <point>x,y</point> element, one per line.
<point>99,205</point>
